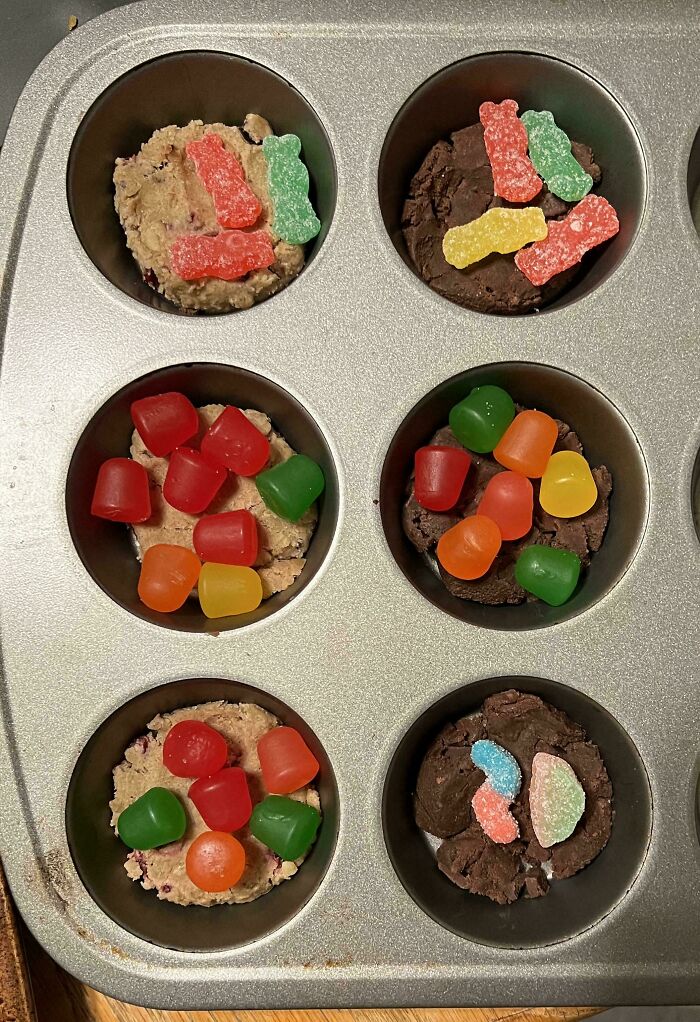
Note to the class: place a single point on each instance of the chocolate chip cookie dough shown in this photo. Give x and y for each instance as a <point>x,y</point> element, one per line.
<point>447,780</point>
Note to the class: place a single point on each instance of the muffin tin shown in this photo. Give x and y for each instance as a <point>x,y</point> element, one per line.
<point>359,654</point>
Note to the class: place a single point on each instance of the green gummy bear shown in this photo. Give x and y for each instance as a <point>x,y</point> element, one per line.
<point>550,152</point>
<point>549,573</point>
<point>288,182</point>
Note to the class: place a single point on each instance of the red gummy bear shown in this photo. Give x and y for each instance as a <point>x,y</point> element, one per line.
<point>235,202</point>
<point>505,137</point>
<point>591,222</point>
<point>226,256</point>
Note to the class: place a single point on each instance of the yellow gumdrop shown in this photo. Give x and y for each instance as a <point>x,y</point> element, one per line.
<point>568,489</point>
<point>226,589</point>
<point>497,230</point>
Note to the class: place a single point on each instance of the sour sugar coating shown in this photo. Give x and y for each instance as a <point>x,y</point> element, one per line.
<point>591,222</point>
<point>514,177</point>
<point>226,256</point>
<point>557,799</point>
<point>235,202</point>
<point>568,488</point>
<point>550,152</point>
<point>288,183</point>
<point>501,768</point>
<point>496,230</point>
<point>494,816</point>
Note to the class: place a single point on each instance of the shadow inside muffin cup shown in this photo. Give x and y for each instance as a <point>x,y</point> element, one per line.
<point>175,89</point>
<point>99,855</point>
<point>572,905</point>
<point>693,181</point>
<point>106,548</point>
<point>586,111</point>
<point>607,440</point>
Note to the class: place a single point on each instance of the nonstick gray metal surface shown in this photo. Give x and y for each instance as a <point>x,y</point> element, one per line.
<point>360,654</point>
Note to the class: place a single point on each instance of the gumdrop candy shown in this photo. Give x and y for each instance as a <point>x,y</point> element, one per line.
<point>439,476</point>
<point>548,573</point>
<point>194,749</point>
<point>285,825</point>
<point>527,444</point>
<point>225,256</point>
<point>227,589</point>
<point>235,202</point>
<point>227,538</point>
<point>494,816</point>
<point>508,501</point>
<point>192,482</point>
<point>497,230</point>
<point>288,184</point>
<point>589,223</point>
<point>499,765</point>
<point>290,487</point>
<point>568,488</point>
<point>557,800</point>
<point>514,177</point>
<point>223,800</point>
<point>215,861</point>
<point>482,417</point>
<point>156,818</point>
<point>234,441</point>
<point>468,549</point>
<point>286,761</point>
<point>164,421</point>
<point>121,492</point>
<point>169,573</point>
<point>550,152</point>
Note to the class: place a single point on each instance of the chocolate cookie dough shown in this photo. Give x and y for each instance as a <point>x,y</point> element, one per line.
<point>582,536</point>
<point>158,196</point>
<point>453,186</point>
<point>524,725</point>
<point>163,869</point>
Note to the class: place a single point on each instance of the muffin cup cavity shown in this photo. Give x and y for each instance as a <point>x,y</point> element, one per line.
<point>107,549</point>
<point>693,182</point>
<point>99,855</point>
<point>175,89</point>
<point>583,107</point>
<point>607,440</point>
<point>572,905</point>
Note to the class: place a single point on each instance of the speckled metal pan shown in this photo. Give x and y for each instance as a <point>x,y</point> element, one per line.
<point>364,653</point>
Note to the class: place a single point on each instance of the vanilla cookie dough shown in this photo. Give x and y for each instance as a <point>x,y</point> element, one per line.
<point>159,196</point>
<point>282,544</point>
<point>163,869</point>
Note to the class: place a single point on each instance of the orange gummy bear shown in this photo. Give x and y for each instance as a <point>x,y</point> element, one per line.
<point>527,444</point>
<point>468,549</point>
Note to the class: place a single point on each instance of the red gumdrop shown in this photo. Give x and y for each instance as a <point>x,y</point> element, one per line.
<point>227,538</point>
<point>193,749</point>
<point>591,222</point>
<point>191,482</point>
<point>232,440</point>
<point>286,761</point>
<point>226,256</point>
<point>505,137</point>
<point>223,800</point>
<point>439,476</point>
<point>164,421</point>
<point>507,501</point>
<point>122,491</point>
<point>235,202</point>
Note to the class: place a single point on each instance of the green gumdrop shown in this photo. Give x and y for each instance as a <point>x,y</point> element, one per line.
<point>288,184</point>
<point>154,819</point>
<point>290,488</point>
<point>548,573</point>
<point>286,826</point>
<point>481,419</point>
<point>550,151</point>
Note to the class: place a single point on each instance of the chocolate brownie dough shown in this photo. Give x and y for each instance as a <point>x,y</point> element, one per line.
<point>524,724</point>
<point>582,535</point>
<point>453,186</point>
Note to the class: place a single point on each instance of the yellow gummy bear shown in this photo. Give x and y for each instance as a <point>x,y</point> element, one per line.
<point>568,488</point>
<point>497,230</point>
<point>226,589</point>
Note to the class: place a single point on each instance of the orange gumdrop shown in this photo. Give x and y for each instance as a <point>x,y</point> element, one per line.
<point>467,550</point>
<point>215,861</point>
<point>168,575</point>
<point>527,444</point>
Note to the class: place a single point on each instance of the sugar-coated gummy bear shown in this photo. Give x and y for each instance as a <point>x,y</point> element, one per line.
<point>288,183</point>
<point>440,473</point>
<point>527,444</point>
<point>215,861</point>
<point>227,538</point>
<point>235,202</point>
<point>589,223</point>
<point>481,418</point>
<point>550,152</point>
<point>164,421</point>
<point>568,488</point>
<point>557,800</point>
<point>508,500</point>
<point>469,548</point>
<point>497,230</point>
<point>548,573</point>
<point>494,816</point>
<point>514,177</point>
<point>228,589</point>
<point>223,800</point>
<point>286,761</point>
<point>290,488</point>
<point>192,482</point>
<point>499,765</point>
<point>121,492</point>
<point>233,441</point>
<point>194,749</point>
<point>225,256</point>
<point>156,818</point>
<point>285,825</point>
<point>168,575</point>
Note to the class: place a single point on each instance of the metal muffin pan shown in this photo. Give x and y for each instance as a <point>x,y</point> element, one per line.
<point>359,655</point>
